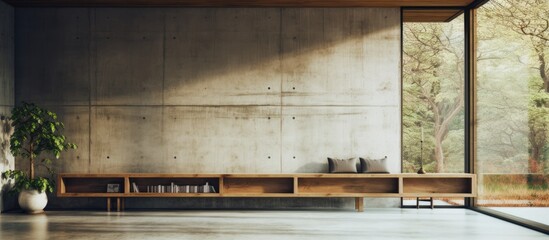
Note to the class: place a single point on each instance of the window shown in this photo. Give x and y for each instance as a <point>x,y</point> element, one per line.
<point>512,108</point>
<point>433,99</point>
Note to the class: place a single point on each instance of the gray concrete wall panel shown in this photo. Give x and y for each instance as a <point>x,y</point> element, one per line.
<point>126,139</point>
<point>230,57</point>
<point>222,139</point>
<point>77,127</point>
<point>341,57</point>
<point>129,68</point>
<point>124,20</point>
<point>53,61</point>
<point>311,134</point>
<point>6,55</point>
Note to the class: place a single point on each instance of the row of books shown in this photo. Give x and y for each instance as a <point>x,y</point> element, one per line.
<point>174,188</point>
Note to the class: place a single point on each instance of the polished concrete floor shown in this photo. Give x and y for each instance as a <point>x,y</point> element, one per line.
<point>536,214</point>
<point>233,224</point>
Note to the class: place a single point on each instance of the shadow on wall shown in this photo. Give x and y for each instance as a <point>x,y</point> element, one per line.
<point>196,54</point>
<point>6,159</point>
<point>313,167</point>
<point>245,45</point>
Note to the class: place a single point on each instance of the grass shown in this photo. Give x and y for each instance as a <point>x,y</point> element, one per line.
<point>513,190</point>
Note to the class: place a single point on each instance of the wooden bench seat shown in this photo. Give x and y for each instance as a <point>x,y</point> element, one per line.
<point>355,186</point>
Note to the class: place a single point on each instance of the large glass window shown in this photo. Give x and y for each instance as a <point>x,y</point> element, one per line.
<point>512,108</point>
<point>433,99</point>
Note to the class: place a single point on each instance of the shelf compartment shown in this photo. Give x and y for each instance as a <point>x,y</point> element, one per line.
<point>90,185</point>
<point>250,186</point>
<point>437,185</point>
<point>347,185</point>
<point>143,182</point>
<point>153,195</point>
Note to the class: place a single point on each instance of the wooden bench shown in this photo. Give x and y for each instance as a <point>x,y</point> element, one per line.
<point>357,186</point>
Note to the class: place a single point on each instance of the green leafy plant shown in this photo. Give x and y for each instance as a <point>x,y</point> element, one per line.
<point>36,132</point>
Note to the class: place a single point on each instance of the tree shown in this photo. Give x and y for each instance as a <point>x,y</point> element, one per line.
<point>36,131</point>
<point>433,86</point>
<point>529,19</point>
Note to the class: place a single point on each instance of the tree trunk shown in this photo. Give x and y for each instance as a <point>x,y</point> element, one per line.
<point>439,154</point>
<point>542,73</point>
<point>31,167</point>
<point>535,152</point>
<point>537,136</point>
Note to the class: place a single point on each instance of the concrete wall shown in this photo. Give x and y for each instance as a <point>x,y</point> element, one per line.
<point>215,90</point>
<point>7,69</point>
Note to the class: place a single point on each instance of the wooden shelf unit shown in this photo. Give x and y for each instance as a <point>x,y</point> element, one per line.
<point>89,185</point>
<point>356,186</point>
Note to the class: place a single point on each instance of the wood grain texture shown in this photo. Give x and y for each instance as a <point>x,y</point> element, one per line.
<point>91,185</point>
<point>359,204</point>
<point>266,175</point>
<point>277,185</point>
<point>348,185</point>
<point>430,15</point>
<point>437,185</point>
<point>258,185</point>
<point>237,3</point>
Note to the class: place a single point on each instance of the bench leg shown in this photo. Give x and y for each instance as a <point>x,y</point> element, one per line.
<point>432,204</point>
<point>108,204</point>
<point>359,204</point>
<point>118,204</point>
<point>123,203</point>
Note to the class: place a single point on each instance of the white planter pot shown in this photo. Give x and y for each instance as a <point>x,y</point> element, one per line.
<point>32,201</point>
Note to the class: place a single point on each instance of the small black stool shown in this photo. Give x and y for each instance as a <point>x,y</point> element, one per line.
<point>425,200</point>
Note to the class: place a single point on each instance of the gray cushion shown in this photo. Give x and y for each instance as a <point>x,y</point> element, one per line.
<point>336,165</point>
<point>368,165</point>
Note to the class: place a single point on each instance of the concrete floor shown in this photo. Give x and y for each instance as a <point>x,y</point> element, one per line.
<point>234,224</point>
<point>536,214</point>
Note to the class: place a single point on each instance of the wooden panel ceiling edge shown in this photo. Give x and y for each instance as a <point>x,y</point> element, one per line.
<point>455,15</point>
<point>430,15</point>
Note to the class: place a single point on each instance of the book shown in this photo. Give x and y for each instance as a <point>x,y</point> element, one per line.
<point>135,188</point>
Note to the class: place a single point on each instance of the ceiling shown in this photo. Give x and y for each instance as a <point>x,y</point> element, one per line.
<point>240,3</point>
<point>418,11</point>
<point>430,15</point>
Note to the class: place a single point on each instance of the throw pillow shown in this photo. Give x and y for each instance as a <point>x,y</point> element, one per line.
<point>336,165</point>
<point>368,165</point>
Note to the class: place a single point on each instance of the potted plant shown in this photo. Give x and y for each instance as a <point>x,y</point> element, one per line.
<point>36,132</point>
